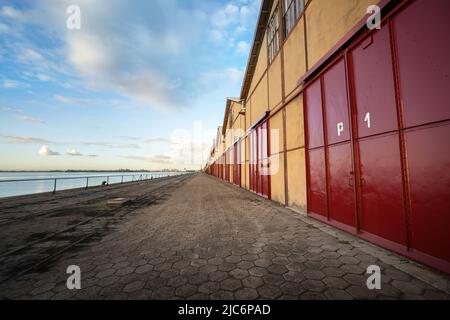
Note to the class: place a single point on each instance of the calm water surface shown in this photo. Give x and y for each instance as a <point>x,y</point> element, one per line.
<point>9,189</point>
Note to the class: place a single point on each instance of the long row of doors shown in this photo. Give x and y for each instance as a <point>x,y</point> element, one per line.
<point>259,169</point>
<point>378,128</point>
<point>259,160</point>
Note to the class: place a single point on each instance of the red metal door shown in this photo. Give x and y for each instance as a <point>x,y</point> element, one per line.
<point>317,185</point>
<point>423,51</point>
<point>429,172</point>
<point>237,163</point>
<point>396,137</point>
<point>314,117</point>
<point>382,212</point>
<point>259,161</point>
<point>253,162</point>
<point>341,199</point>
<point>263,135</point>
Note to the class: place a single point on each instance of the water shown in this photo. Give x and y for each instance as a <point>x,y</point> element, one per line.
<point>9,189</point>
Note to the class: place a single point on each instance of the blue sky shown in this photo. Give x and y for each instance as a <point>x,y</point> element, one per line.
<point>142,84</point>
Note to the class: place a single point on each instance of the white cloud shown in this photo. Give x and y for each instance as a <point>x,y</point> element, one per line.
<point>45,151</point>
<point>11,84</point>
<point>74,101</point>
<point>225,16</point>
<point>10,12</point>
<point>156,159</point>
<point>43,77</point>
<point>22,140</point>
<point>73,153</point>
<point>113,145</point>
<point>243,47</point>
<point>30,56</point>
<point>29,119</point>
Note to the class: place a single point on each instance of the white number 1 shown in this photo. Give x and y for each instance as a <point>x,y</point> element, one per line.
<point>367,119</point>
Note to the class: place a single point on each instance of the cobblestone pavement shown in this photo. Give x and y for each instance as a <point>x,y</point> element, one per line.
<point>205,239</point>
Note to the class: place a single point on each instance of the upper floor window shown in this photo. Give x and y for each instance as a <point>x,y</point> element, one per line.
<point>292,9</point>
<point>273,36</point>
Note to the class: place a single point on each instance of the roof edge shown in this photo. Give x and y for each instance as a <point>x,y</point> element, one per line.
<point>263,18</point>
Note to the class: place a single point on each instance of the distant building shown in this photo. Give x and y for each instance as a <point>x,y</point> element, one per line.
<point>348,123</point>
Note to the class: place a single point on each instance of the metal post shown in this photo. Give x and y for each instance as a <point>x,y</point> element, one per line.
<point>121,182</point>
<point>107,180</point>
<point>54,187</point>
<point>87,182</point>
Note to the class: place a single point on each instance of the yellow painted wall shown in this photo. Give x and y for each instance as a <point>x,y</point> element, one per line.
<point>295,133</point>
<point>259,101</point>
<point>261,65</point>
<point>276,133</point>
<point>277,177</point>
<point>275,82</point>
<point>294,57</point>
<point>328,21</point>
<point>296,179</point>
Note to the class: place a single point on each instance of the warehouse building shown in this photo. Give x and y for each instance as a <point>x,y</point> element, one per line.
<point>347,123</point>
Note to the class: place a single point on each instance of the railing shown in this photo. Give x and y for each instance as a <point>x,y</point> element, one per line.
<point>106,179</point>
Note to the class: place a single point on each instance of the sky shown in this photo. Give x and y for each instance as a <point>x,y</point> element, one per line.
<point>139,85</point>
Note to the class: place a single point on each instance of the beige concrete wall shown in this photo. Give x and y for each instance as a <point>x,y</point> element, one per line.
<point>296,179</point>
<point>277,178</point>
<point>259,100</point>
<point>275,85</point>
<point>295,133</point>
<point>261,65</point>
<point>276,133</point>
<point>294,54</point>
<point>328,21</point>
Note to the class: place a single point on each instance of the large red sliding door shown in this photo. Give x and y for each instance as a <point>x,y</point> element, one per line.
<point>237,163</point>
<point>377,124</point>
<point>259,160</point>
<point>423,52</point>
<point>340,168</point>
<point>377,138</point>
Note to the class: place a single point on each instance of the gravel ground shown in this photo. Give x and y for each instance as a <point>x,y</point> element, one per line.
<point>190,237</point>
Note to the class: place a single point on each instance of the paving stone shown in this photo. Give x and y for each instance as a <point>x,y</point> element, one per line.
<point>239,273</point>
<point>313,274</point>
<point>177,281</point>
<point>406,287</point>
<point>217,276</point>
<point>336,294</point>
<point>252,282</point>
<point>209,287</point>
<point>258,271</point>
<point>222,295</point>
<point>277,269</point>
<point>202,239</point>
<point>292,288</point>
<point>335,283</point>
<point>313,285</point>
<point>361,293</point>
<point>273,279</point>
<point>269,292</point>
<point>230,284</point>
<point>134,286</point>
<point>186,290</point>
<point>246,294</point>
